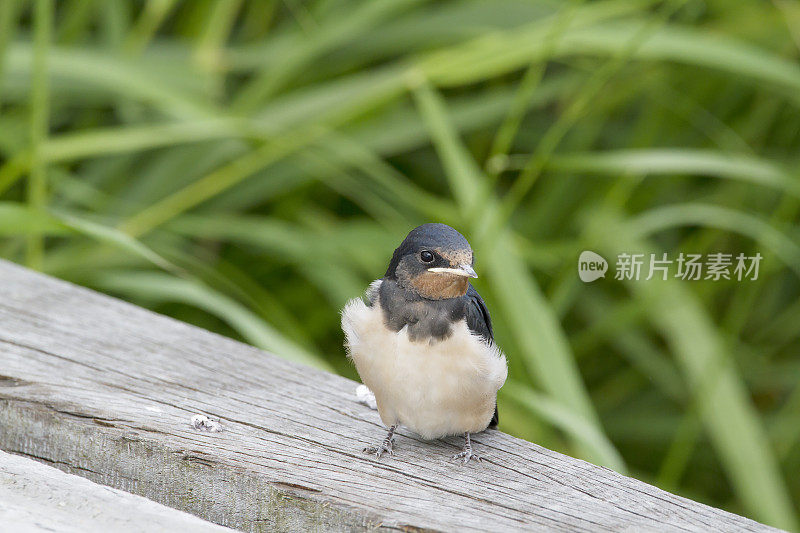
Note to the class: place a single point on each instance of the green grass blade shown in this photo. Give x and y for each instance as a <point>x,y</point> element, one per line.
<point>127,78</point>
<point>214,183</point>
<point>9,11</point>
<point>115,238</point>
<point>305,48</point>
<point>512,50</point>
<point>21,219</point>
<point>326,261</point>
<point>143,30</point>
<point>706,215</point>
<point>742,167</point>
<point>166,288</point>
<point>543,345</point>
<point>581,430</point>
<point>39,125</point>
<point>463,173</point>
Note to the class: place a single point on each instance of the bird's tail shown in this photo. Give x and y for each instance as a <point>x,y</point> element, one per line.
<point>495,418</point>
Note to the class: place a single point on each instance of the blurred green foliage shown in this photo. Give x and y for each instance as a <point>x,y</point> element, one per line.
<point>248,166</point>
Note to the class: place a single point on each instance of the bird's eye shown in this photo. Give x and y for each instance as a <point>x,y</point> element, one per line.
<point>426,256</point>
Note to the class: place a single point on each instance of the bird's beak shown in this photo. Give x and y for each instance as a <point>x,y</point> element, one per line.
<point>462,270</point>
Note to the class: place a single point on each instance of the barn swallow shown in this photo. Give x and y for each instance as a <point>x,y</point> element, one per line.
<point>422,341</point>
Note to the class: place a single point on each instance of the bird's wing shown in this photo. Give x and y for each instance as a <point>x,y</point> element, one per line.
<point>480,323</point>
<point>478,320</point>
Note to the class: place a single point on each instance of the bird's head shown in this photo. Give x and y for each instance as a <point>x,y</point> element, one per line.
<point>434,261</point>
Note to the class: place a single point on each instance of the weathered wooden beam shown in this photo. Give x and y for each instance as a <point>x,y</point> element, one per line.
<point>104,389</point>
<point>35,497</point>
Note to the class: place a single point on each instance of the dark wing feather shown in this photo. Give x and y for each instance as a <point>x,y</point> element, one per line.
<point>478,319</point>
<point>480,323</point>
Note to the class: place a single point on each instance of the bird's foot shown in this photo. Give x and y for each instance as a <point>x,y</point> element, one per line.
<point>466,454</point>
<point>379,450</point>
<point>387,446</point>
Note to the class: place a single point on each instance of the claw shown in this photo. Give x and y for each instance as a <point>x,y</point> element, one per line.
<point>466,453</point>
<point>378,451</point>
<point>385,447</point>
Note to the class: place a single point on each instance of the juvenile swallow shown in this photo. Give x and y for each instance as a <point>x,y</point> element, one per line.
<point>422,341</point>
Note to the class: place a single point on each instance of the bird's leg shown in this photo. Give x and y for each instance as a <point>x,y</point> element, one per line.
<point>466,453</point>
<point>385,446</point>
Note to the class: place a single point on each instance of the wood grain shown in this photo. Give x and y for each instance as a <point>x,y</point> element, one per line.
<point>104,389</point>
<point>35,497</point>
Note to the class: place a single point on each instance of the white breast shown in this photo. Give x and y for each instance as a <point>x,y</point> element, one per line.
<point>436,389</point>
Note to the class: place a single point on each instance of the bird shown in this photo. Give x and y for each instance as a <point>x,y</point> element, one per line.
<point>421,339</point>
